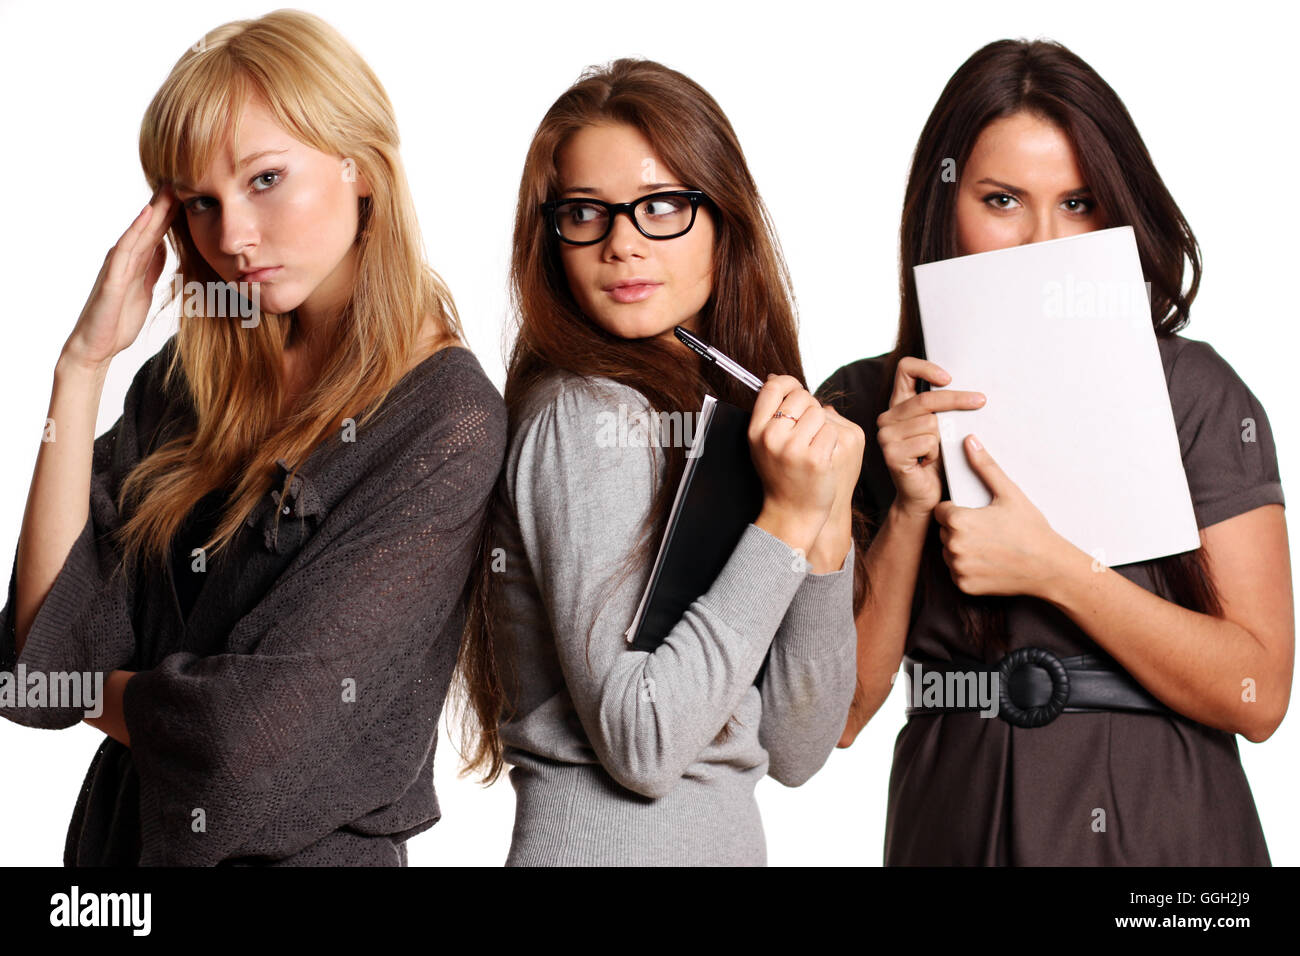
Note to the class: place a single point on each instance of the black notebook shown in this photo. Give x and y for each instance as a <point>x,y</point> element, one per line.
<point>717,498</point>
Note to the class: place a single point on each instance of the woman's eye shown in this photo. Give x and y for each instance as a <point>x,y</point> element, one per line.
<point>193,205</point>
<point>261,178</point>
<point>996,200</point>
<point>1084,206</point>
<point>585,214</point>
<point>664,207</point>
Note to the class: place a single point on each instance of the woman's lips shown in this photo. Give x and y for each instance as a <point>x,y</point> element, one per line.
<point>633,293</point>
<point>261,275</point>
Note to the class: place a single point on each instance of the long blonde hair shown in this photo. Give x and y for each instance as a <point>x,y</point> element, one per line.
<point>322,93</point>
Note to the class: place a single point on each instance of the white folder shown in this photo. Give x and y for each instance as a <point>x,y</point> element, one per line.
<point>1058,335</point>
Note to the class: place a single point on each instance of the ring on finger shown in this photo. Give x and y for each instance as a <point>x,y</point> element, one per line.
<point>780,414</point>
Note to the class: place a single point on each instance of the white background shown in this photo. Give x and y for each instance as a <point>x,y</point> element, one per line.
<point>827,99</point>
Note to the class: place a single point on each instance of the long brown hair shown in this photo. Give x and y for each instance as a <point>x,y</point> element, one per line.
<point>750,314</point>
<point>322,92</point>
<point>1044,78</point>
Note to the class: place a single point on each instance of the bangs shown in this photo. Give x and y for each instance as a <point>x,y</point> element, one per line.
<point>191,119</point>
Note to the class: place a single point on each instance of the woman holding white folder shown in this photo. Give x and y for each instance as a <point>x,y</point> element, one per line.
<point>1125,686</point>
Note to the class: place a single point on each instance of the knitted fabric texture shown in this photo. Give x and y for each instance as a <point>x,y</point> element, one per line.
<point>291,717</point>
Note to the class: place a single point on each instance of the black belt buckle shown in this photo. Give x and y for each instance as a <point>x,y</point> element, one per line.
<point>1017,678</point>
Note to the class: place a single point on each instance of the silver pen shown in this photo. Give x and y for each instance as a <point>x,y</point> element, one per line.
<point>735,369</point>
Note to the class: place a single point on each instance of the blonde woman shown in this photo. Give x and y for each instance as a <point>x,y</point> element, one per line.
<point>265,556</point>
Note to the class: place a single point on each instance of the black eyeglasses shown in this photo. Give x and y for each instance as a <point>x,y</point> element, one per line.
<point>582,222</point>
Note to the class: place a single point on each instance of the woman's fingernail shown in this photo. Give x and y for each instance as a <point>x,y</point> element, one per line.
<point>975,443</point>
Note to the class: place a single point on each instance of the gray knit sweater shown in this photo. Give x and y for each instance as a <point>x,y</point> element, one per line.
<point>290,718</point>
<point>616,753</point>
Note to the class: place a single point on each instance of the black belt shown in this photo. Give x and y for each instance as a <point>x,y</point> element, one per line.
<point>1034,686</point>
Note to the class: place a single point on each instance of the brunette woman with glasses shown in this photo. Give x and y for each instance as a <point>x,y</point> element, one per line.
<point>637,213</point>
<point>1125,752</point>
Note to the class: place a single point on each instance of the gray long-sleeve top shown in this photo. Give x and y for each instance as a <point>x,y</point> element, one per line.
<point>290,718</point>
<point>617,753</point>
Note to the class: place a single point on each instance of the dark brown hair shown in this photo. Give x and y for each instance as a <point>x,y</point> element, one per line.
<point>1045,79</point>
<point>750,314</point>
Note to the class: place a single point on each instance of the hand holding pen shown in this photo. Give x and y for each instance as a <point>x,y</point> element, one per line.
<point>808,457</point>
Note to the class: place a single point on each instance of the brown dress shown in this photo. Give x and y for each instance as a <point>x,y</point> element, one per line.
<point>966,789</point>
